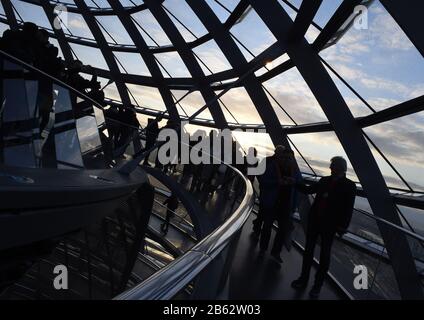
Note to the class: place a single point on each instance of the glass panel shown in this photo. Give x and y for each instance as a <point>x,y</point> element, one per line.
<point>89,56</point>
<point>294,95</point>
<point>379,62</point>
<point>326,11</point>
<point>241,106</point>
<point>252,33</point>
<point>113,30</point>
<point>402,142</point>
<point>76,26</point>
<point>17,122</point>
<point>110,89</point>
<point>148,97</point>
<point>288,6</point>
<point>356,106</point>
<point>132,62</point>
<point>415,218</point>
<point>223,8</point>
<point>88,134</point>
<point>32,13</point>
<point>172,65</point>
<point>211,58</point>
<point>68,151</point>
<point>319,158</point>
<point>181,14</point>
<point>3,27</point>
<point>191,103</point>
<point>150,29</point>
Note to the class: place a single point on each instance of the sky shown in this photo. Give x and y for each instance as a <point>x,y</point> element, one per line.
<point>379,62</point>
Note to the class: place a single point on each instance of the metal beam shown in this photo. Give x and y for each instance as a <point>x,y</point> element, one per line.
<point>397,111</point>
<point>189,60</point>
<point>147,56</point>
<point>409,17</point>
<point>343,12</point>
<point>60,35</point>
<point>107,53</point>
<point>349,133</point>
<point>304,18</point>
<point>239,64</point>
<point>10,14</point>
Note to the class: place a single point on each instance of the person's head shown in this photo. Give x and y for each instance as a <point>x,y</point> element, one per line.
<point>279,152</point>
<point>29,29</point>
<point>75,66</point>
<point>97,85</point>
<point>288,156</point>
<point>338,166</point>
<point>42,36</point>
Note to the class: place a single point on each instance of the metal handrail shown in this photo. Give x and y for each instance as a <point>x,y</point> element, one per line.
<point>167,282</point>
<point>392,225</point>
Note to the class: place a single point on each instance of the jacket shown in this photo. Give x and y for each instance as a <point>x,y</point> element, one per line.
<point>339,202</point>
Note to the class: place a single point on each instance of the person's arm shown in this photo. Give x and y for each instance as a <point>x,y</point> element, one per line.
<point>309,189</point>
<point>349,205</point>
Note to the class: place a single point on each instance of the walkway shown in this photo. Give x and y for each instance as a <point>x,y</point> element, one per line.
<point>258,278</point>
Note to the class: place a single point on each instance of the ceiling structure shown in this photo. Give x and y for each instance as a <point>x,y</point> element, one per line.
<point>235,58</point>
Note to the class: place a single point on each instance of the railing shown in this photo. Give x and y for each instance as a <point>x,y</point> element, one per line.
<point>201,258</point>
<point>363,247</point>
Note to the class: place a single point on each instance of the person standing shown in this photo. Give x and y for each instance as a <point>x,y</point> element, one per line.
<point>152,132</point>
<point>276,179</point>
<point>284,204</point>
<point>330,213</point>
<point>268,190</point>
<point>171,205</point>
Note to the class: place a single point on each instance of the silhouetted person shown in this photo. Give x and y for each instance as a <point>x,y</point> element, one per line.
<point>284,203</point>
<point>278,180</point>
<point>112,123</point>
<point>171,206</point>
<point>128,127</point>
<point>152,133</point>
<point>75,80</point>
<point>268,181</point>
<point>330,213</point>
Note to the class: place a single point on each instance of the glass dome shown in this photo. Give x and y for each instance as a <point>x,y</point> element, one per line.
<point>318,78</point>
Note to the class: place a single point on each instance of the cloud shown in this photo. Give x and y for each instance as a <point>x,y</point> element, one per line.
<point>402,140</point>
<point>212,57</point>
<point>388,34</point>
<point>78,23</point>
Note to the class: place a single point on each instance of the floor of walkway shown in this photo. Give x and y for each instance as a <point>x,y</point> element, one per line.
<point>253,277</point>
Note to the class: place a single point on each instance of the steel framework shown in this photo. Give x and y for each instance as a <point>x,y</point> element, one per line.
<point>290,36</point>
